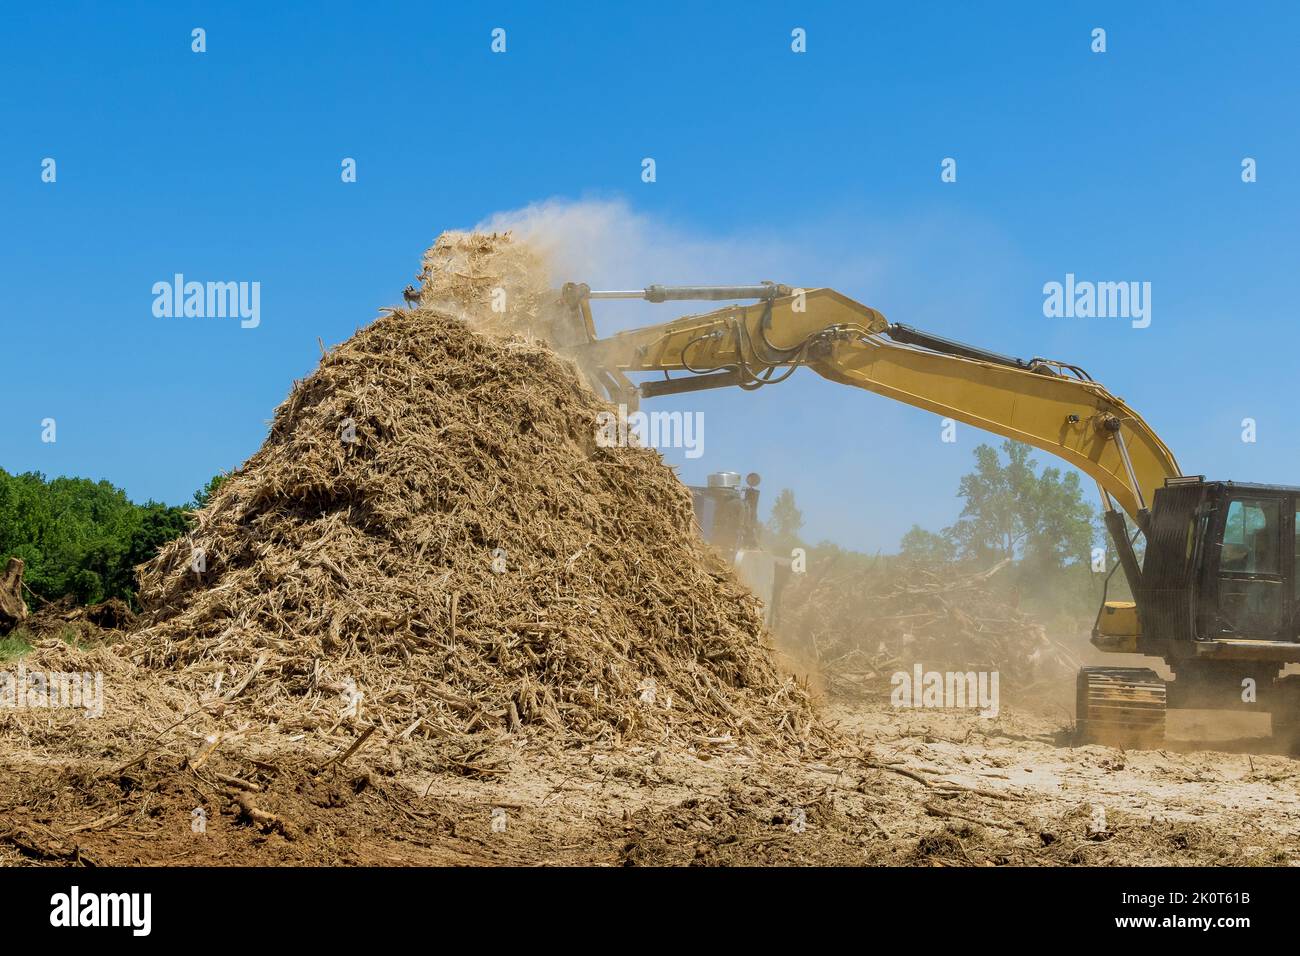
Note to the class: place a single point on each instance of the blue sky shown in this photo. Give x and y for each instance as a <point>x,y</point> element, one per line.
<point>819,168</point>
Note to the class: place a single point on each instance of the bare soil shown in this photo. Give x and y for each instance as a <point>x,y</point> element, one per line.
<point>909,788</point>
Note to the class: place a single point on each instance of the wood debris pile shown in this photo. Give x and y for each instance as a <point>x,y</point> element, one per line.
<point>859,625</point>
<point>430,542</point>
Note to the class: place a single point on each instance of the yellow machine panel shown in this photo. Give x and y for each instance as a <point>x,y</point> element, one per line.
<point>1117,628</point>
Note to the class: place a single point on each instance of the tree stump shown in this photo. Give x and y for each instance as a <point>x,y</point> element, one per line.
<point>13,609</point>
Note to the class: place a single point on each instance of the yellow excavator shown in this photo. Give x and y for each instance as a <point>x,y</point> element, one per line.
<point>1217,587</point>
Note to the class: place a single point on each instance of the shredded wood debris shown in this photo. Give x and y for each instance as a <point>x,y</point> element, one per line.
<point>430,540</point>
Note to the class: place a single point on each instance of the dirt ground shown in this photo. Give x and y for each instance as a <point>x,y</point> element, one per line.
<point>909,788</point>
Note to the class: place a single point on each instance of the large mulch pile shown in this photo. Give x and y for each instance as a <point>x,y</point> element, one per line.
<point>431,543</point>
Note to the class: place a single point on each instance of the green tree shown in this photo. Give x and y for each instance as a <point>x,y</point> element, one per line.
<point>785,523</point>
<point>204,494</point>
<point>81,538</point>
<point>926,548</point>
<point>71,533</point>
<point>1014,511</point>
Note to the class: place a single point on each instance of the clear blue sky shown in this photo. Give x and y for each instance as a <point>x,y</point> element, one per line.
<point>818,168</point>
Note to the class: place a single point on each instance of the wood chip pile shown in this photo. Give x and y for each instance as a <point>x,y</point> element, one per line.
<point>431,543</point>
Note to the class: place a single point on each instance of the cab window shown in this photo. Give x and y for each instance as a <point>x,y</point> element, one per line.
<point>1250,537</point>
<point>1295,574</point>
<point>1250,563</point>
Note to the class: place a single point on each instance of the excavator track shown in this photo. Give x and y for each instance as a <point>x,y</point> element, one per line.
<point>1120,707</point>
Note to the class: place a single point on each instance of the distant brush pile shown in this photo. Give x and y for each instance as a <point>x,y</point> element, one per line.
<point>431,542</point>
<point>860,624</point>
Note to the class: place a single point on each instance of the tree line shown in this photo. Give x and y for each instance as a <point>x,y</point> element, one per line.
<point>83,538</point>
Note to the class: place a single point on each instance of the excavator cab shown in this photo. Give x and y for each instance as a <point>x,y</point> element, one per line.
<point>1251,594</point>
<point>1219,575</point>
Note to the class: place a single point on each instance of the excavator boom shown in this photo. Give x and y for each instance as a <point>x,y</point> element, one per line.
<point>1050,405</point>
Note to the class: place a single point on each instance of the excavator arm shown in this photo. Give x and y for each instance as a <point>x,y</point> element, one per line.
<point>1051,405</point>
